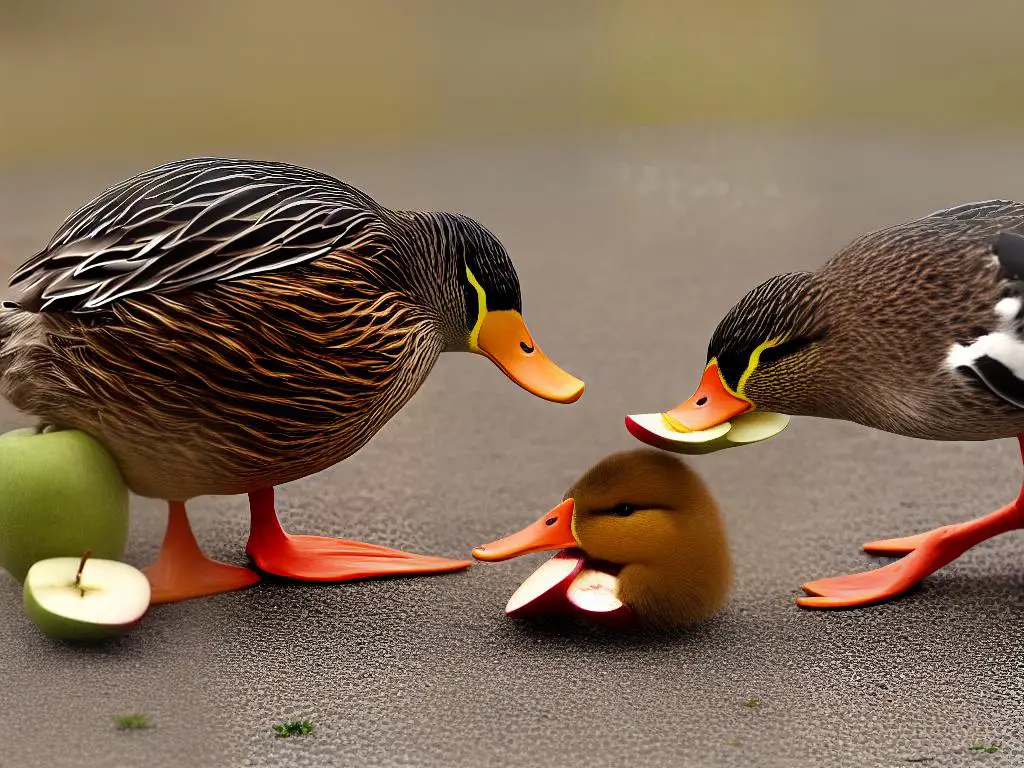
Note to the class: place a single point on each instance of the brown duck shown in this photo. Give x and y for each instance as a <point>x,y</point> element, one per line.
<point>224,326</point>
<point>918,330</point>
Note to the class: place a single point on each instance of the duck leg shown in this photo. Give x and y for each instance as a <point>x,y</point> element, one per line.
<point>312,558</point>
<point>925,554</point>
<point>182,571</point>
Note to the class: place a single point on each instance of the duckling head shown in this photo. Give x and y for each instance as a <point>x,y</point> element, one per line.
<point>648,521</point>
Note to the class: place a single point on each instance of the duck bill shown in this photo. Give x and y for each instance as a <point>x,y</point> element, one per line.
<point>553,531</point>
<point>712,404</point>
<point>504,338</point>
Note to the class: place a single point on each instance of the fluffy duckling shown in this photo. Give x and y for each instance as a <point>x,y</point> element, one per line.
<point>649,522</point>
<point>916,329</point>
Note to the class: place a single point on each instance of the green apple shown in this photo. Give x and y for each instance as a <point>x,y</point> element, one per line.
<point>61,493</point>
<point>77,598</point>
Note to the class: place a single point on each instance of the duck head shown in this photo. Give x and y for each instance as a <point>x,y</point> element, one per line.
<point>483,304</point>
<point>648,527</point>
<point>763,360</point>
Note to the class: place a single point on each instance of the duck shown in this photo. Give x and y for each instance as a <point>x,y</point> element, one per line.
<point>916,329</point>
<point>224,326</point>
<point>649,523</point>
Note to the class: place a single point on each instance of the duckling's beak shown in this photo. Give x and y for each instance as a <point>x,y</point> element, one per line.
<point>505,339</point>
<point>553,531</point>
<point>712,404</point>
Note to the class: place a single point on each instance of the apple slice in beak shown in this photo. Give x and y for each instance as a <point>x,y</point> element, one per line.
<point>712,419</point>
<point>505,340</point>
<point>753,427</point>
<point>552,531</point>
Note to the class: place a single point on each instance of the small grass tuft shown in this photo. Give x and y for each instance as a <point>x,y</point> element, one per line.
<point>989,749</point>
<point>293,728</point>
<point>751,703</point>
<point>136,722</point>
<point>733,742</point>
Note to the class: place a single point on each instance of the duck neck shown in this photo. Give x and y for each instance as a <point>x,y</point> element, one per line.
<point>431,270</point>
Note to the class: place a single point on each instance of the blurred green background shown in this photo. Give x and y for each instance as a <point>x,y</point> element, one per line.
<point>86,79</point>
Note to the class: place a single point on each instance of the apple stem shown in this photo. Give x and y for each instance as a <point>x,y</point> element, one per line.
<point>81,567</point>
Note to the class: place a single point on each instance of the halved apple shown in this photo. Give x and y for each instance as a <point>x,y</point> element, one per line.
<point>571,585</point>
<point>544,591</point>
<point>75,598</point>
<point>752,427</point>
<point>593,594</point>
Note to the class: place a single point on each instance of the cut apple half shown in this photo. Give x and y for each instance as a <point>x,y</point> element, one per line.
<point>594,594</point>
<point>747,428</point>
<point>544,591</point>
<point>74,598</point>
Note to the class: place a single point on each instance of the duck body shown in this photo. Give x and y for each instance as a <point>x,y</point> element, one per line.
<point>165,395</point>
<point>919,326</point>
<point>224,326</point>
<point>647,522</point>
<point>917,330</point>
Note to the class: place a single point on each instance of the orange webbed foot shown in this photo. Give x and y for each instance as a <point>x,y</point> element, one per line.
<point>925,554</point>
<point>901,546</point>
<point>315,558</point>
<point>182,571</point>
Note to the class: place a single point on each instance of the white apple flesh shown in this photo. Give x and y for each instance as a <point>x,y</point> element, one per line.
<point>753,427</point>
<point>108,599</point>
<point>544,591</point>
<point>593,594</point>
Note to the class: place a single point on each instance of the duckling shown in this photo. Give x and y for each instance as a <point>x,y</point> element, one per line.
<point>917,330</point>
<point>224,326</point>
<point>653,519</point>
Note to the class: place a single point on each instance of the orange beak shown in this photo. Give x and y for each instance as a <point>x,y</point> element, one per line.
<point>553,531</point>
<point>504,338</point>
<point>712,404</point>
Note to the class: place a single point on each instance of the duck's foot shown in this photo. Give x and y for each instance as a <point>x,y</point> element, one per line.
<point>927,553</point>
<point>901,546</point>
<point>182,571</point>
<point>312,558</point>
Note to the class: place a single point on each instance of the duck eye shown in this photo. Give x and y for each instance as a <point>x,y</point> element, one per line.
<point>623,510</point>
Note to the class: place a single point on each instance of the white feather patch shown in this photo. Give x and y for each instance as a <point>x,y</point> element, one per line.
<point>1004,345</point>
<point>1008,308</point>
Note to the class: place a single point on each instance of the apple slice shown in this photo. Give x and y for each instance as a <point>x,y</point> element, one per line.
<point>593,594</point>
<point>753,427</point>
<point>75,598</point>
<point>756,426</point>
<point>544,590</point>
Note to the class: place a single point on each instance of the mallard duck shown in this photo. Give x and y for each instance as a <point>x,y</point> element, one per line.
<point>224,326</point>
<point>652,519</point>
<point>917,330</point>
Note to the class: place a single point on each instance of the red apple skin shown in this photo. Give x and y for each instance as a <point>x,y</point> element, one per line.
<point>621,618</point>
<point>554,599</point>
<point>653,439</point>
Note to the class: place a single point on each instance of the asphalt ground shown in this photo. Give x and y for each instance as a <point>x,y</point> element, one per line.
<point>629,250</point>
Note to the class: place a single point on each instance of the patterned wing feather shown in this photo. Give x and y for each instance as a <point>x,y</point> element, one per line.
<point>191,222</point>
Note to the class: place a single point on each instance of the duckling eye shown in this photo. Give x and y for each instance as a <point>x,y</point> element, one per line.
<point>623,510</point>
